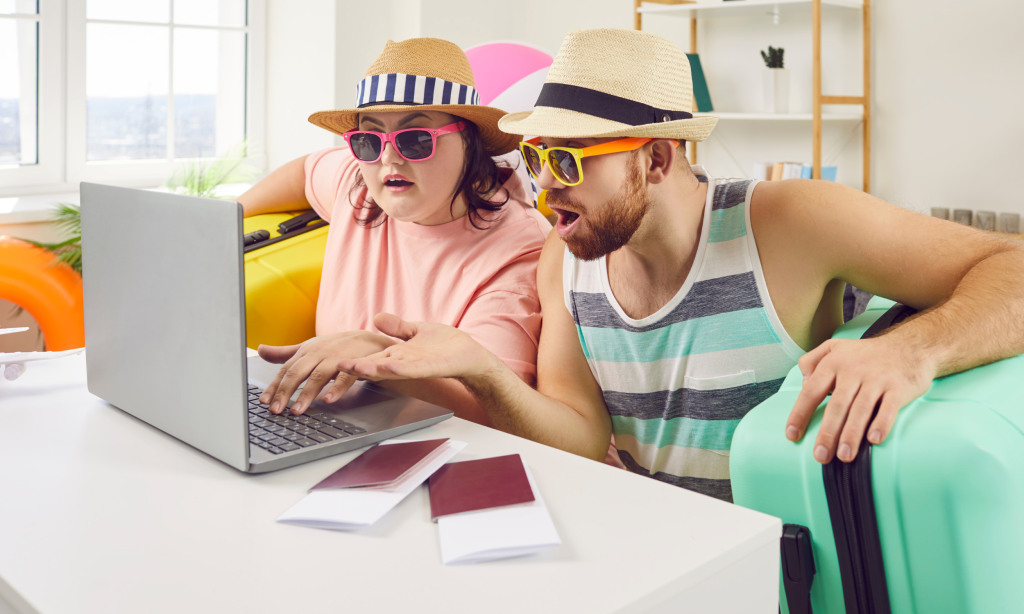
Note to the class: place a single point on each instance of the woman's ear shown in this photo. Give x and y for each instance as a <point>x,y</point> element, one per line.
<point>662,159</point>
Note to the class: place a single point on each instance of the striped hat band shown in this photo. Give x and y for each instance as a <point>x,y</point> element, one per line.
<point>397,88</point>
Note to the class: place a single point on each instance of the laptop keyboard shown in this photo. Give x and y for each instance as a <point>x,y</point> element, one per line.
<point>285,433</point>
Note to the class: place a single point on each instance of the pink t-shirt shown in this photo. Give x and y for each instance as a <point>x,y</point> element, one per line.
<point>483,282</point>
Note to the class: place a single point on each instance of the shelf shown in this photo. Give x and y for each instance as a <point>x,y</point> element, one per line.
<point>848,116</point>
<point>745,8</point>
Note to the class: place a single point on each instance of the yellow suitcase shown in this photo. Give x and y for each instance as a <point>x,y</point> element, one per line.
<point>284,256</point>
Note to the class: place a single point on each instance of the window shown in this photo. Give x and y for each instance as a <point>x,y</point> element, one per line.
<point>137,83</point>
<point>30,93</point>
<point>19,85</point>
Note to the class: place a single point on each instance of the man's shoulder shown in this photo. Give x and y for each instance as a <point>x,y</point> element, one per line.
<point>554,249</point>
<point>797,203</point>
<point>549,270</point>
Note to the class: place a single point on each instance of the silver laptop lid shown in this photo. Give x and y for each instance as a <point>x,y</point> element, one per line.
<point>165,313</point>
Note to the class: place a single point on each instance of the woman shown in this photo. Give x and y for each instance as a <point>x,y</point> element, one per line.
<point>423,222</point>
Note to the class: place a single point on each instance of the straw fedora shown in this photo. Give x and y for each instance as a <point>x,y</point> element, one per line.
<point>611,82</point>
<point>430,74</point>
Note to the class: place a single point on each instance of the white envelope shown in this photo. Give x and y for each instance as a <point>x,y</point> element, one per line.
<point>499,533</point>
<point>345,509</point>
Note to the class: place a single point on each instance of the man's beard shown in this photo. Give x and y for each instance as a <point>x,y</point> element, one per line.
<point>615,221</point>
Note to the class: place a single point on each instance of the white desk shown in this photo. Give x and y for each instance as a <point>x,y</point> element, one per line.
<point>101,513</point>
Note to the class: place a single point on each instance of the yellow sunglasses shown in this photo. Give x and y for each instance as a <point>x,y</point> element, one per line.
<point>565,162</point>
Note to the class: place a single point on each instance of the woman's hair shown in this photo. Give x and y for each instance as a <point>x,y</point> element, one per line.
<point>481,177</point>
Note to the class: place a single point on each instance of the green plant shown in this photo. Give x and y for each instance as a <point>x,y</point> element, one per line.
<point>196,177</point>
<point>773,59</point>
<point>201,177</point>
<point>68,219</point>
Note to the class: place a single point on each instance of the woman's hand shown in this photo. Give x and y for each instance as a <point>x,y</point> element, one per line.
<point>315,362</point>
<point>429,351</point>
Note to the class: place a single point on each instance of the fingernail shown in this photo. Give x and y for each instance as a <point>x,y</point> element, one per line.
<point>875,436</point>
<point>297,408</point>
<point>328,398</point>
<point>820,454</point>
<point>792,433</point>
<point>275,407</point>
<point>264,398</point>
<point>844,452</point>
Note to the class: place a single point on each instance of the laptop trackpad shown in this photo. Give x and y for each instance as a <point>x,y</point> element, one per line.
<point>357,396</point>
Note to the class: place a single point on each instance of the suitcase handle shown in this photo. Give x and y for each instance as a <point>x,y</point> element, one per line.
<point>288,229</point>
<point>797,567</point>
<point>299,221</point>
<point>255,237</point>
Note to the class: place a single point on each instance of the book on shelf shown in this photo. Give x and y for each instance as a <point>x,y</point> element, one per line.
<point>700,85</point>
<point>777,171</point>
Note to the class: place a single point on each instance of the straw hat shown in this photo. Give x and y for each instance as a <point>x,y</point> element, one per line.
<point>611,82</point>
<point>430,74</point>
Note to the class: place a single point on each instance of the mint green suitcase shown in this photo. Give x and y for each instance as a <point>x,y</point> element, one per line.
<point>930,521</point>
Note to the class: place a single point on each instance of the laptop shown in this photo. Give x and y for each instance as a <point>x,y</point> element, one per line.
<point>164,288</point>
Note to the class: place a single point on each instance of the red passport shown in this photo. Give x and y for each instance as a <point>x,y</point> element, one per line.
<point>380,464</point>
<point>479,485</point>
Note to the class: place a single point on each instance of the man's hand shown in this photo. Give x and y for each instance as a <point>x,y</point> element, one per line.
<point>315,362</point>
<point>860,375</point>
<point>430,351</point>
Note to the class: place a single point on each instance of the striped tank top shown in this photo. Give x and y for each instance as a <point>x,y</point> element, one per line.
<point>677,382</point>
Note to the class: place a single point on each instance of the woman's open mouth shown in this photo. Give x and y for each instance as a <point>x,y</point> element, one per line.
<point>567,220</point>
<point>397,183</point>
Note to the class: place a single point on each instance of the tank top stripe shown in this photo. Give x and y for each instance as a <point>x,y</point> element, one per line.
<point>677,383</point>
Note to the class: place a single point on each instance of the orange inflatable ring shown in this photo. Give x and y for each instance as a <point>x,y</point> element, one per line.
<point>52,294</point>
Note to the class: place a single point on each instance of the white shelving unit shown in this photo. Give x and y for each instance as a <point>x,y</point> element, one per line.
<point>854,116</point>
<point>860,105</point>
<point>709,9</point>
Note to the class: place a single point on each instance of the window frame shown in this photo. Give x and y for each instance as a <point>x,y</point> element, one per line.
<point>49,166</point>
<point>62,161</point>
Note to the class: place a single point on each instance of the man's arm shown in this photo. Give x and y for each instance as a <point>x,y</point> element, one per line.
<point>967,285</point>
<point>566,411</point>
<point>281,191</point>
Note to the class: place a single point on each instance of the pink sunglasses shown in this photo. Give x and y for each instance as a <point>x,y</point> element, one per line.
<point>413,144</point>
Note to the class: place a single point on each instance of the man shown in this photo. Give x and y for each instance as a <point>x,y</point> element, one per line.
<point>674,302</point>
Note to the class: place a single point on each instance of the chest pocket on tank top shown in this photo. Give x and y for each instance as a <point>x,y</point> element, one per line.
<point>721,400</point>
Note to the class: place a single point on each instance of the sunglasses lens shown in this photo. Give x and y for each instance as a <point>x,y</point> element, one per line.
<point>533,162</point>
<point>563,165</point>
<point>365,146</point>
<point>415,144</point>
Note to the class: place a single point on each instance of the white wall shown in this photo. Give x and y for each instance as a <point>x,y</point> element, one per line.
<point>317,51</point>
<point>948,90</point>
<point>946,82</point>
<point>300,76</point>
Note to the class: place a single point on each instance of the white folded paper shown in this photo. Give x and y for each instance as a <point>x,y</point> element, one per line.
<point>345,509</point>
<point>499,533</point>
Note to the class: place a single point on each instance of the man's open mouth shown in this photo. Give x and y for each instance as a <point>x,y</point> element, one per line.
<point>566,220</point>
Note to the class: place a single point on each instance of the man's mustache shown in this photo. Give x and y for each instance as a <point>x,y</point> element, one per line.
<point>562,201</point>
